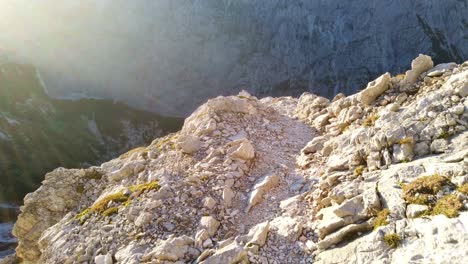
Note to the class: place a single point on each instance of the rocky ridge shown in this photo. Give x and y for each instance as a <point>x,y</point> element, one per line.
<point>375,177</point>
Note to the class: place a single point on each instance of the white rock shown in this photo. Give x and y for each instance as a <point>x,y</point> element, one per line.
<point>315,145</point>
<point>257,235</point>
<point>210,224</point>
<point>352,207</point>
<point>414,210</point>
<point>103,259</point>
<point>228,194</point>
<point>143,219</point>
<point>261,188</point>
<point>374,89</point>
<point>436,240</point>
<point>288,227</point>
<point>339,235</point>
<point>439,145</point>
<point>440,69</point>
<point>189,144</point>
<point>209,202</point>
<point>172,249</point>
<point>201,236</point>
<point>241,149</point>
<point>231,253</point>
<point>419,65</point>
<point>403,152</point>
<point>349,114</point>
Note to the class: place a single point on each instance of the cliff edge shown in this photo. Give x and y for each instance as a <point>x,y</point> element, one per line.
<point>376,177</point>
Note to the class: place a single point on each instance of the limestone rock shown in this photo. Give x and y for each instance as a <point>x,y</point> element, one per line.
<point>338,236</point>
<point>241,149</point>
<point>402,152</point>
<point>172,249</point>
<point>352,207</point>
<point>103,259</point>
<point>374,89</point>
<point>440,69</point>
<point>288,227</point>
<point>46,207</point>
<point>129,168</point>
<point>419,65</point>
<point>414,210</point>
<point>257,235</point>
<point>261,188</point>
<point>210,224</point>
<point>188,143</point>
<point>228,194</point>
<point>439,145</point>
<point>229,254</point>
<point>314,145</point>
<point>436,240</point>
<point>209,203</point>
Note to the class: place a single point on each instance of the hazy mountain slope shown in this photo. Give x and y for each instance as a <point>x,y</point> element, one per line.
<point>171,55</point>
<point>38,134</point>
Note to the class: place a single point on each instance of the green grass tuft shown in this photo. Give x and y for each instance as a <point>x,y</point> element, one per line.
<point>392,240</point>
<point>448,205</point>
<point>463,189</point>
<point>359,170</point>
<point>370,120</point>
<point>406,140</point>
<point>422,189</point>
<point>381,219</point>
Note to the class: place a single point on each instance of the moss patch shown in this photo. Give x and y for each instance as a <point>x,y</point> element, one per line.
<point>381,219</point>
<point>111,211</point>
<point>145,187</point>
<point>448,205</point>
<point>102,206</point>
<point>392,240</point>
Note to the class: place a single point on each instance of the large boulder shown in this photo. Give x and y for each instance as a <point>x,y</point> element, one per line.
<point>374,89</point>
<point>419,65</point>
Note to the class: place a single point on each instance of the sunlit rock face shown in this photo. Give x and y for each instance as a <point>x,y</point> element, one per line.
<point>171,55</point>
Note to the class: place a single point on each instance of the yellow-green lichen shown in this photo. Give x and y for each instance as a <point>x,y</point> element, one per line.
<point>392,240</point>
